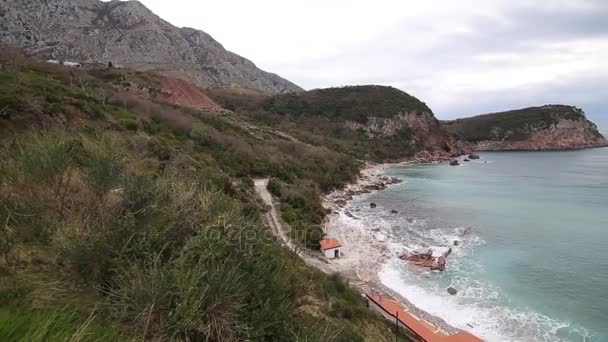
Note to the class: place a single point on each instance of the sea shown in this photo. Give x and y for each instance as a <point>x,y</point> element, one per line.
<point>529,234</point>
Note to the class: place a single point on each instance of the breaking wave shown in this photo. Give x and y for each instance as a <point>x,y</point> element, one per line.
<point>480,307</point>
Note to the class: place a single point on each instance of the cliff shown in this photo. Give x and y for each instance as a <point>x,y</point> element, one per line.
<point>127,33</point>
<point>370,122</point>
<point>549,127</point>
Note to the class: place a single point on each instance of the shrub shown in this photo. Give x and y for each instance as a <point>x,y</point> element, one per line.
<point>103,163</point>
<point>274,187</point>
<point>129,124</point>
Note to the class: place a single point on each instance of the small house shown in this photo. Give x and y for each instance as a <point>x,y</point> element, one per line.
<point>331,248</point>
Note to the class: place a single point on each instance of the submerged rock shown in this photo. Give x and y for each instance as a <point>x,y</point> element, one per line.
<point>466,159</point>
<point>452,291</point>
<point>372,205</point>
<point>394,211</point>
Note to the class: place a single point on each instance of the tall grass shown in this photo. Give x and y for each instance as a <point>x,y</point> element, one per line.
<point>156,228</point>
<point>19,324</point>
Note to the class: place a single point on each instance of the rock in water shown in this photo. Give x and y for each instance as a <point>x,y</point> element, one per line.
<point>466,159</point>
<point>372,205</point>
<point>452,291</point>
<point>473,156</point>
<point>454,162</point>
<point>394,211</point>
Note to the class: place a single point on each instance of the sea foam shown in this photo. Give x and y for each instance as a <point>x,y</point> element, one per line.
<point>479,307</point>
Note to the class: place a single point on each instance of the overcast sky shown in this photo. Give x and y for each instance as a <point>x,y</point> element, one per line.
<point>461,57</point>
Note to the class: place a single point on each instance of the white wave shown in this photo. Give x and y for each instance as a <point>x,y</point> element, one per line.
<point>480,307</point>
<point>477,308</point>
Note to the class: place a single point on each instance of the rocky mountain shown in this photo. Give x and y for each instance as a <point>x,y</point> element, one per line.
<point>127,33</point>
<point>549,127</point>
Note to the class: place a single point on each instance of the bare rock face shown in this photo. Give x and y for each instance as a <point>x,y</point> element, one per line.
<point>426,128</point>
<point>127,33</point>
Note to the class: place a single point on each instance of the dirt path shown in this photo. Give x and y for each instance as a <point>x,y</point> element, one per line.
<point>356,267</point>
<point>272,216</point>
<point>281,231</point>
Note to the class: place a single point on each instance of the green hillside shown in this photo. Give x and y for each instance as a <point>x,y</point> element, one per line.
<point>319,117</point>
<point>513,125</point>
<point>354,103</point>
<point>122,218</point>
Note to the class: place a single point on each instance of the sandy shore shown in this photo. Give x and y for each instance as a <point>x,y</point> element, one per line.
<point>356,265</point>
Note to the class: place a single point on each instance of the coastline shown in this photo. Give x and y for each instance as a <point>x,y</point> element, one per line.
<point>355,264</point>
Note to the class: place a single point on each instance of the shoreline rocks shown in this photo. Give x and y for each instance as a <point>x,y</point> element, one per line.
<point>368,181</point>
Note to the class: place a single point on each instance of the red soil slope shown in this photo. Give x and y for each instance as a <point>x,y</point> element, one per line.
<point>183,93</point>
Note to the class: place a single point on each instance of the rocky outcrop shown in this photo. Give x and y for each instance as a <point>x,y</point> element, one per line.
<point>127,33</point>
<point>368,181</point>
<point>550,127</point>
<point>423,126</point>
<point>563,135</point>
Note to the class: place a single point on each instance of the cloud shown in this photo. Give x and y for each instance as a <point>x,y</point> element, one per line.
<point>462,57</point>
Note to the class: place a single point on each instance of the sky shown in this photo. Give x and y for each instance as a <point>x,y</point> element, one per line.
<point>461,57</point>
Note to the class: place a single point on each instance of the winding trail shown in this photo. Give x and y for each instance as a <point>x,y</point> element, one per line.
<point>281,230</point>
<point>359,276</point>
<point>272,217</point>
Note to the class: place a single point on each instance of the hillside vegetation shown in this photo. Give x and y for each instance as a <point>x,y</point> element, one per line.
<point>122,218</point>
<point>339,118</point>
<point>514,125</point>
<point>356,103</point>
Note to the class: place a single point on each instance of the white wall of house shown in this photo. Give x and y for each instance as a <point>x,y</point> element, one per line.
<point>331,253</point>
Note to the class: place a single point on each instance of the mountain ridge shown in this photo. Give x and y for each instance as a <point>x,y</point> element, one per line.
<point>129,34</point>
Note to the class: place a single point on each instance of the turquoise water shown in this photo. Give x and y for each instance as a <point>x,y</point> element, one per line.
<point>531,261</point>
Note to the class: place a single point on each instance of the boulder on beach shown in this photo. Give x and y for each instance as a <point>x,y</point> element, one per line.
<point>454,162</point>
<point>394,211</point>
<point>473,156</point>
<point>372,205</point>
<point>452,291</point>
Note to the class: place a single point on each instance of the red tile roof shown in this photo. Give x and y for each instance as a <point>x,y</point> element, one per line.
<point>329,244</point>
<point>423,329</point>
